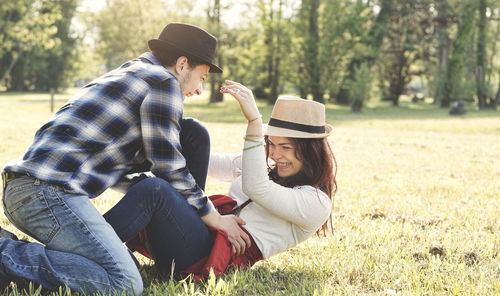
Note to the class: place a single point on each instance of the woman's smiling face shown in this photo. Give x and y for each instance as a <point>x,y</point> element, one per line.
<point>283,152</point>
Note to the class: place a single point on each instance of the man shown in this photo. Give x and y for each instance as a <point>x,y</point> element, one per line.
<point>115,123</point>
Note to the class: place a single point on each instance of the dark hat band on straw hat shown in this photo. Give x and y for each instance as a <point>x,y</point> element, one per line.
<point>297,126</point>
<point>295,117</point>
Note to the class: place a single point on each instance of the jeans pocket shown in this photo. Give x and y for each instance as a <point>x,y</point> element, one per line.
<point>29,210</point>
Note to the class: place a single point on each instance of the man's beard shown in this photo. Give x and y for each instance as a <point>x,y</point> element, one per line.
<point>183,81</point>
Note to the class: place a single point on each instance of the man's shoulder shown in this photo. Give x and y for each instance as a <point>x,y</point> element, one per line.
<point>149,72</point>
<point>148,66</point>
<point>134,77</point>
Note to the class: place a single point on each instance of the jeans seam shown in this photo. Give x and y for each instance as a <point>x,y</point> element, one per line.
<point>62,279</point>
<point>86,229</point>
<point>40,197</point>
<point>52,216</point>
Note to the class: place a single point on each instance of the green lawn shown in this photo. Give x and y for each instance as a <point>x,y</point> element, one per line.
<point>417,210</point>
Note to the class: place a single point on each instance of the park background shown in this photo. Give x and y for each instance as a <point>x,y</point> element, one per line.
<point>417,208</point>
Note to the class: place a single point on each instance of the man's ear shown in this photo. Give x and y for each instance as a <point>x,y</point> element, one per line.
<point>181,64</point>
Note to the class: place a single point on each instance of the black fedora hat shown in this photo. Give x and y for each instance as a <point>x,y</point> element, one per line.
<point>190,40</point>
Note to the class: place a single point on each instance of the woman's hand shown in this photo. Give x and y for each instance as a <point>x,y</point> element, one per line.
<point>245,98</point>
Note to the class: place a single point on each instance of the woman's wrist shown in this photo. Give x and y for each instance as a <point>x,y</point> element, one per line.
<point>253,136</point>
<point>256,118</point>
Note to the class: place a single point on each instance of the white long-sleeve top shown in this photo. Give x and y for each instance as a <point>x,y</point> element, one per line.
<point>279,217</point>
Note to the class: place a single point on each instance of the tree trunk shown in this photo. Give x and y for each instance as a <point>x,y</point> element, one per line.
<point>398,80</point>
<point>496,102</point>
<point>277,56</point>
<point>398,41</point>
<point>313,51</point>
<point>443,47</point>
<point>216,79</point>
<point>268,21</point>
<point>269,64</point>
<point>302,88</point>
<point>15,58</point>
<point>497,97</point>
<point>481,57</point>
<point>455,71</point>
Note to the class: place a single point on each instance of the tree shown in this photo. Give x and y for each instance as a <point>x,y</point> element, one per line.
<point>59,61</point>
<point>405,47</point>
<point>443,21</point>
<point>481,89</point>
<point>242,55</point>
<point>371,42</point>
<point>496,102</point>
<point>456,68</point>
<point>214,25</point>
<point>26,24</point>
<point>312,67</point>
<point>341,24</point>
<point>273,39</point>
<point>360,87</point>
<point>275,68</point>
<point>139,21</point>
<point>42,67</point>
<point>495,39</point>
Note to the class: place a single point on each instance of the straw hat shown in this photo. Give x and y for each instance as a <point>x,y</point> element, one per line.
<point>297,118</point>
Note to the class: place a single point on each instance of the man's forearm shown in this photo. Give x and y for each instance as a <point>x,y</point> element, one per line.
<point>212,219</point>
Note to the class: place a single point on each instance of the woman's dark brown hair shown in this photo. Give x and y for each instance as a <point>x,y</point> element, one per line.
<point>319,167</point>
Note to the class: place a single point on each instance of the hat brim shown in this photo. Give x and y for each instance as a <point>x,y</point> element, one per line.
<point>158,45</point>
<point>289,133</point>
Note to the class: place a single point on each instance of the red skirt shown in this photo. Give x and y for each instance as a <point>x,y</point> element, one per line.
<point>221,258</point>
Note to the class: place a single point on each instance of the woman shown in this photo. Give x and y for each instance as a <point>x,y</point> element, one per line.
<point>282,204</point>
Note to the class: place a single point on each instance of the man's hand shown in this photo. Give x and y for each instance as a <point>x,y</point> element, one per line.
<point>238,238</point>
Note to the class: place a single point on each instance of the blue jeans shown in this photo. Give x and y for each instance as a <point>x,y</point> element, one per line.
<point>81,250</point>
<point>176,234</point>
<point>175,231</point>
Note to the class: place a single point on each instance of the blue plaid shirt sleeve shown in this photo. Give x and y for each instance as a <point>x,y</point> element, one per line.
<point>161,113</point>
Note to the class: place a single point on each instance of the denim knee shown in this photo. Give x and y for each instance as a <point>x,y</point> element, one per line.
<point>154,187</point>
<point>166,189</point>
<point>193,127</point>
<point>127,286</point>
<point>134,286</point>
<point>153,184</point>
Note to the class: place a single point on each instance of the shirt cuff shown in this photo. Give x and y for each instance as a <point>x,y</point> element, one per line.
<point>207,208</point>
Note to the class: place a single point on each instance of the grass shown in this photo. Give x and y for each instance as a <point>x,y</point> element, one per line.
<point>417,211</point>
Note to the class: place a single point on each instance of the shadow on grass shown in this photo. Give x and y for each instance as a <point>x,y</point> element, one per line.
<point>256,281</point>
<point>287,281</point>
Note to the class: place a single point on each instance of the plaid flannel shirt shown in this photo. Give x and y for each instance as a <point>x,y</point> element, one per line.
<point>116,122</point>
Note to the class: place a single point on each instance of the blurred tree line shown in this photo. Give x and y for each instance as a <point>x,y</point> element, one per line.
<point>341,51</point>
<point>36,45</point>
